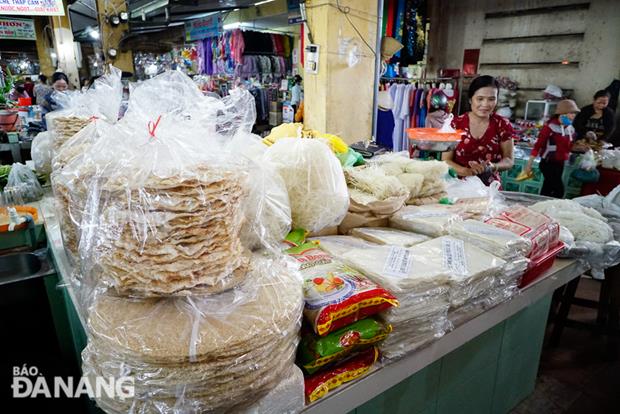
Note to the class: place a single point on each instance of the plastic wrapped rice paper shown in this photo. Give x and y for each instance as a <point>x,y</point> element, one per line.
<point>386,235</point>
<point>224,350</point>
<point>432,220</point>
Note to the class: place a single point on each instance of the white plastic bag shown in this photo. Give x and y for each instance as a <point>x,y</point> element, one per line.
<point>23,181</point>
<point>41,152</point>
<point>315,182</point>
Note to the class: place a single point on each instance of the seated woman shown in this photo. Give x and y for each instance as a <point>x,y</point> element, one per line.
<point>596,118</point>
<point>487,146</point>
<point>554,146</point>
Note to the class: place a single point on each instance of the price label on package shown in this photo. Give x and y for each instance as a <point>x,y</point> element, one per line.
<point>454,258</point>
<point>398,262</point>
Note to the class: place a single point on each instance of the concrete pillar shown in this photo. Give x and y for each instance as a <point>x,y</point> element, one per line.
<point>43,48</point>
<point>65,49</point>
<point>338,99</point>
<point>111,36</point>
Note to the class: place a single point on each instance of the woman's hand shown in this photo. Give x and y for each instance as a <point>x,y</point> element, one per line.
<point>477,168</point>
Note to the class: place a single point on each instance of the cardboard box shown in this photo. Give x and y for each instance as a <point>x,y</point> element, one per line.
<point>275,118</point>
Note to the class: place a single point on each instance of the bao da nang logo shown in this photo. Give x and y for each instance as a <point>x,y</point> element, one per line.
<point>28,382</point>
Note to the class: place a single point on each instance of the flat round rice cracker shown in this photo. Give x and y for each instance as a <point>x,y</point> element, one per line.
<point>159,329</point>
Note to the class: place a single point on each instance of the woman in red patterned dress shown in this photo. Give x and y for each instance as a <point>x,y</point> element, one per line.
<point>486,148</point>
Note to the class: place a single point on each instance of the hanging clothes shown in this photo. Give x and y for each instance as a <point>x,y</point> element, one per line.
<point>391,14</point>
<point>400,23</point>
<point>385,127</point>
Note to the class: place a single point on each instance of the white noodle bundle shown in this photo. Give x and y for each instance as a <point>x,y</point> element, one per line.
<point>315,182</point>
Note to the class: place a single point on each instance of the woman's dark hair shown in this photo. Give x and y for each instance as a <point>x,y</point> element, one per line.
<point>298,79</point>
<point>601,94</point>
<point>43,78</point>
<point>482,82</point>
<point>20,88</point>
<point>59,76</point>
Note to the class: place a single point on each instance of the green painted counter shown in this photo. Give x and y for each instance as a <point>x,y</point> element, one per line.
<point>490,374</point>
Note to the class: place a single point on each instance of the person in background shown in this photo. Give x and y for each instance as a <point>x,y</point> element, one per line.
<point>19,91</point>
<point>597,118</point>
<point>60,83</point>
<point>554,145</point>
<point>29,86</point>
<point>296,92</point>
<point>437,111</point>
<point>486,148</point>
<point>41,89</point>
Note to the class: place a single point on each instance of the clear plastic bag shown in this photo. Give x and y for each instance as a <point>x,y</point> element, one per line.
<point>202,354</point>
<point>167,217</point>
<point>23,181</point>
<point>502,243</point>
<point>41,152</point>
<point>102,101</point>
<point>315,182</point>
<point>433,220</point>
<point>386,235</point>
<point>268,210</point>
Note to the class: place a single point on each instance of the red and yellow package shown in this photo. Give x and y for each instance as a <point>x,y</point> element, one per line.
<point>335,294</point>
<point>543,232</point>
<point>319,384</point>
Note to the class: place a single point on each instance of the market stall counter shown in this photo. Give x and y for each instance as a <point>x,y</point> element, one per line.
<point>488,364</point>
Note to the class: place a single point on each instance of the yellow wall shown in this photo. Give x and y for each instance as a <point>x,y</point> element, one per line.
<point>339,98</point>
<point>43,49</point>
<point>110,36</point>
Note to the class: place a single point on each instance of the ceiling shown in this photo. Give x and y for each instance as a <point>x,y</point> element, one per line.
<point>152,16</point>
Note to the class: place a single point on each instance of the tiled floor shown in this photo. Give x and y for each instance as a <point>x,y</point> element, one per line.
<point>577,376</point>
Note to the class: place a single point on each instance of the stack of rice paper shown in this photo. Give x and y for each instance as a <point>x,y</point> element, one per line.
<point>86,118</point>
<point>101,101</point>
<point>201,354</point>
<point>173,297</point>
<point>433,220</point>
<point>513,249</point>
<point>422,292</point>
<point>386,235</point>
<point>542,231</point>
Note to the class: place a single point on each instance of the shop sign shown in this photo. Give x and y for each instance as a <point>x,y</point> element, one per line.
<point>294,13</point>
<point>198,29</point>
<point>32,7</point>
<point>17,29</point>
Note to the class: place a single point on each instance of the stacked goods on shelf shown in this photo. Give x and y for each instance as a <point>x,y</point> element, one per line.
<point>85,119</point>
<point>222,351</point>
<point>423,295</point>
<point>542,232</point>
<point>171,294</point>
<point>339,342</point>
<point>78,109</point>
<point>424,179</point>
<point>504,244</point>
<point>433,220</point>
<point>386,235</point>
<point>428,279</point>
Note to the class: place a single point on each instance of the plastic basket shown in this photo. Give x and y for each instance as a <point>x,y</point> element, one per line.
<point>539,266</point>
